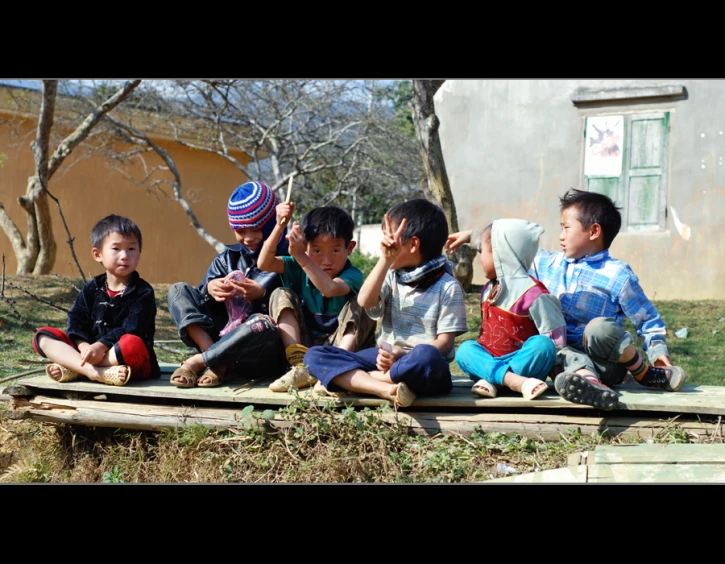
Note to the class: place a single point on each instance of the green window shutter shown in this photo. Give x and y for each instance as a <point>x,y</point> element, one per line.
<point>647,171</point>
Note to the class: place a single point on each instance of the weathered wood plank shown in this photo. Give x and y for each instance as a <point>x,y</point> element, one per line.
<point>539,426</point>
<point>708,400</point>
<point>660,454</point>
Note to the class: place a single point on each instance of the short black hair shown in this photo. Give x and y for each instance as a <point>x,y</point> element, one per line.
<point>328,220</point>
<point>594,208</point>
<point>114,224</point>
<point>424,220</point>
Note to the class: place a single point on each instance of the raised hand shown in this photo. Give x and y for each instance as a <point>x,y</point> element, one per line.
<point>391,243</point>
<point>284,212</point>
<point>455,240</point>
<point>296,238</point>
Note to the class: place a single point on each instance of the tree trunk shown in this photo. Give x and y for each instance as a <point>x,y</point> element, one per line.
<point>437,188</point>
<point>37,255</point>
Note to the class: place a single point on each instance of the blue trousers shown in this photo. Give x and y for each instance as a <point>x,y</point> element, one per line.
<point>423,369</point>
<point>534,359</point>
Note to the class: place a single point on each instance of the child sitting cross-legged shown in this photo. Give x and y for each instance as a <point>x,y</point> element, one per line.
<point>521,322</point>
<point>110,334</point>
<point>422,309</point>
<point>316,304</point>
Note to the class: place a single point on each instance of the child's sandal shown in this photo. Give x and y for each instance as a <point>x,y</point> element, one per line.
<point>113,376</point>
<point>189,377</point>
<point>484,389</point>
<point>533,388</point>
<point>66,374</point>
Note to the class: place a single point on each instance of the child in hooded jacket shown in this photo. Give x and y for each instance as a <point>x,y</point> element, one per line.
<point>522,325</point>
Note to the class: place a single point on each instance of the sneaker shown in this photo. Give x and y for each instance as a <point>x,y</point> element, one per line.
<point>297,376</point>
<point>669,378</point>
<point>587,391</point>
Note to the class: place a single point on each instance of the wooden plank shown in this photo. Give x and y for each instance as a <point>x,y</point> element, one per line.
<point>657,473</point>
<point>660,454</point>
<point>708,400</point>
<point>568,475</point>
<point>538,426</point>
<point>623,473</point>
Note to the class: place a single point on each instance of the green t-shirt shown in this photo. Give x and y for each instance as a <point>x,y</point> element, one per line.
<point>320,312</point>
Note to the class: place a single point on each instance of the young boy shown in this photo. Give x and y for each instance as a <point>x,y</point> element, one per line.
<point>316,305</point>
<point>422,309</point>
<point>110,335</point>
<point>596,292</point>
<point>521,322</point>
<point>200,313</point>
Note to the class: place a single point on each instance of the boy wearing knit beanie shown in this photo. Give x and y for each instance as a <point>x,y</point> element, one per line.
<point>317,304</point>
<point>200,313</point>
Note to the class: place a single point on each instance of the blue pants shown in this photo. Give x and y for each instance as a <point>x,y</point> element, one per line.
<point>423,369</point>
<point>534,359</point>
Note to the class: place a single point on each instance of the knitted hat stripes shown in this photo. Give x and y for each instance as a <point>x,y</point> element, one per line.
<point>252,205</point>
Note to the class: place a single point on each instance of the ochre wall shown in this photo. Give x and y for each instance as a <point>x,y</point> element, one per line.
<point>89,188</point>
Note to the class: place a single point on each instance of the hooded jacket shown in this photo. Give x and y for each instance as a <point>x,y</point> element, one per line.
<point>515,306</point>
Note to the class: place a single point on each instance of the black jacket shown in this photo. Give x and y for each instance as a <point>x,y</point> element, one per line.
<point>237,257</point>
<point>97,317</point>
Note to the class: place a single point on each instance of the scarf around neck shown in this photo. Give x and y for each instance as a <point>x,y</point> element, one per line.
<point>426,274</point>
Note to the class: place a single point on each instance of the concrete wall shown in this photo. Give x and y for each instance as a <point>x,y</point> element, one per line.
<point>513,146</point>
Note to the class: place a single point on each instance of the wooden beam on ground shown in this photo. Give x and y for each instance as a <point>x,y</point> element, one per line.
<point>539,426</point>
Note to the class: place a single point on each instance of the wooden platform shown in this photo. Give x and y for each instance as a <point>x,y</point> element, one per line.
<point>642,463</point>
<point>157,404</point>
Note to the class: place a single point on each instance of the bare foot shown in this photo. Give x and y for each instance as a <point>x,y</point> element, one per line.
<point>54,371</point>
<point>208,379</point>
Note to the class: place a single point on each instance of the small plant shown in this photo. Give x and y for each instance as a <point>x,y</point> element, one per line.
<point>113,477</point>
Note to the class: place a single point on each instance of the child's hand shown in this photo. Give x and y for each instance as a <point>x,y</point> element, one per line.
<point>387,356</point>
<point>250,289</point>
<point>391,244</point>
<point>93,354</point>
<point>296,238</point>
<point>455,240</point>
<point>284,212</point>
<point>219,290</point>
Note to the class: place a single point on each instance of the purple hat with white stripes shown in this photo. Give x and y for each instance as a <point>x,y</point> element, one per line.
<point>252,205</point>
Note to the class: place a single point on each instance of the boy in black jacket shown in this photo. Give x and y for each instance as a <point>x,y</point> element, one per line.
<point>201,314</point>
<point>110,335</point>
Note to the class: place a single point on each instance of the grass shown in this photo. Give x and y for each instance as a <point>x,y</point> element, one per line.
<point>320,445</point>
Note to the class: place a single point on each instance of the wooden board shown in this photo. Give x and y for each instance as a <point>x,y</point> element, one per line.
<point>640,463</point>
<point>708,400</point>
<point>539,426</point>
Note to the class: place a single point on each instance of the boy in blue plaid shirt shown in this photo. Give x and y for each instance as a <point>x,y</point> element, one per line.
<point>596,291</point>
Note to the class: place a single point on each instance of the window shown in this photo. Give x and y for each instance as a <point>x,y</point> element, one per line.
<point>625,157</point>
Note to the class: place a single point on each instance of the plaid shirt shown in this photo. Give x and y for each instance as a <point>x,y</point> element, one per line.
<point>600,286</point>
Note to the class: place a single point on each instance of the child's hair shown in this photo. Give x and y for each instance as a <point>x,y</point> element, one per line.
<point>594,208</point>
<point>328,220</point>
<point>424,220</point>
<point>114,224</point>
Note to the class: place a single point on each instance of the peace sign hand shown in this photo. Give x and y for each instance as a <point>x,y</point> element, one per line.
<point>391,243</point>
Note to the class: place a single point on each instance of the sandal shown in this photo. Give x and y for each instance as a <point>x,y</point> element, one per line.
<point>112,375</point>
<point>403,396</point>
<point>214,378</point>
<point>484,389</point>
<point>66,374</point>
<point>533,388</point>
<point>189,377</point>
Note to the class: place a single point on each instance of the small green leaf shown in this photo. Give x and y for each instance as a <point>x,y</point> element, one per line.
<point>267,414</point>
<point>247,411</point>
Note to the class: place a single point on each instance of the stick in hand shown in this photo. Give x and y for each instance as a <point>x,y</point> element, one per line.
<point>289,193</point>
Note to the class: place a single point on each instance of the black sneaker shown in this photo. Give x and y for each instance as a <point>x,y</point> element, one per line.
<point>580,389</point>
<point>670,378</point>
